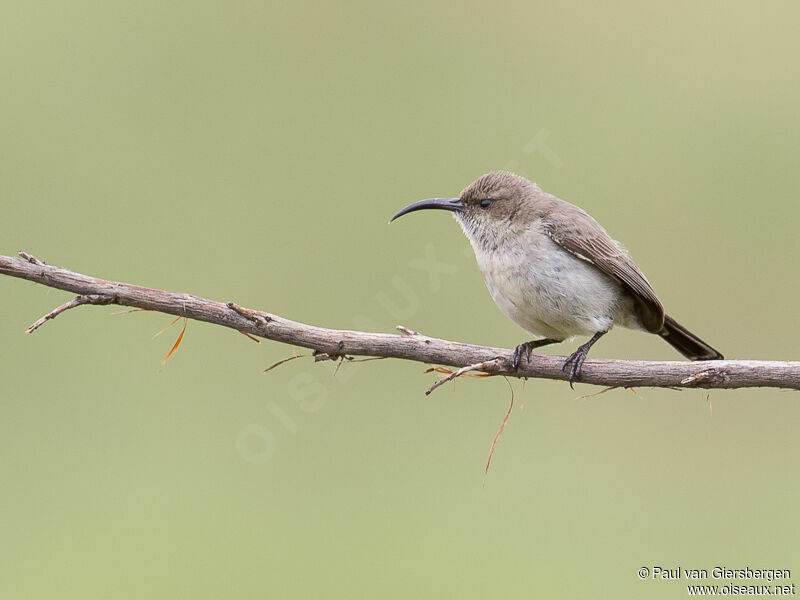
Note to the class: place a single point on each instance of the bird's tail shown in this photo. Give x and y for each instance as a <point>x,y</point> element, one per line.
<point>687,343</point>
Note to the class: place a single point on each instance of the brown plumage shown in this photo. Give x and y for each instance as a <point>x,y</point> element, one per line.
<point>555,271</point>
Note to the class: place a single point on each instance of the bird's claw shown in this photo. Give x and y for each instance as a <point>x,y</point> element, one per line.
<point>574,364</point>
<point>519,352</point>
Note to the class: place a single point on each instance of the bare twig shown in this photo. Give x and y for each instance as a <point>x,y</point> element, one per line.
<point>481,366</point>
<point>405,330</point>
<point>283,361</point>
<point>30,258</point>
<point>332,343</point>
<point>79,301</point>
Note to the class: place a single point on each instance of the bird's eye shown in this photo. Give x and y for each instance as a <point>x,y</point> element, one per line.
<point>486,202</point>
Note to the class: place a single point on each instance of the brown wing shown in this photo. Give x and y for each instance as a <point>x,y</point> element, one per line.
<point>578,233</point>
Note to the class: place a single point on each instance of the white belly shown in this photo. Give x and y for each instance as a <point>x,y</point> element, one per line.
<point>549,292</point>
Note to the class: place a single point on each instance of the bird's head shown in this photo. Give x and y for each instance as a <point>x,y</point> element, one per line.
<point>487,208</point>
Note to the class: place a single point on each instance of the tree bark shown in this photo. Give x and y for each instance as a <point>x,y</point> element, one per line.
<point>408,345</point>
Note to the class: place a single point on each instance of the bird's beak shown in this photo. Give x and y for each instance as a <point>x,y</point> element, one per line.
<point>451,204</point>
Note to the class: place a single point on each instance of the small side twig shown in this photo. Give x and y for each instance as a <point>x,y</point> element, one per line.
<point>476,367</point>
<point>406,331</point>
<point>31,258</point>
<point>259,319</point>
<point>78,301</point>
<point>284,360</point>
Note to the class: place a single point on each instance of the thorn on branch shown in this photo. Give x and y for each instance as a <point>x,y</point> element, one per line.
<point>78,301</point>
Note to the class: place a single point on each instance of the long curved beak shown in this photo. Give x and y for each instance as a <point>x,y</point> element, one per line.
<point>451,204</point>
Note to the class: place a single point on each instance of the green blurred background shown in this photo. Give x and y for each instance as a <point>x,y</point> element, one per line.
<point>254,152</point>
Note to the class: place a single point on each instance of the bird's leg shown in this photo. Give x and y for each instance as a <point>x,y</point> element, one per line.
<point>525,350</point>
<point>575,360</point>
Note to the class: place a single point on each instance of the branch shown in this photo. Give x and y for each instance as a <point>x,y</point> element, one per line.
<point>79,301</point>
<point>334,344</point>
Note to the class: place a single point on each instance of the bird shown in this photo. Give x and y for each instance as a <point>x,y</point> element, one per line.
<point>555,271</point>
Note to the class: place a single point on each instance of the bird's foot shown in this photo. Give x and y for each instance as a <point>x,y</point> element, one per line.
<point>574,364</point>
<point>525,350</point>
<point>519,352</point>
